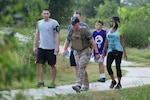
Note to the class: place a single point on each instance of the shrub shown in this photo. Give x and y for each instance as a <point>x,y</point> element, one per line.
<point>136,34</point>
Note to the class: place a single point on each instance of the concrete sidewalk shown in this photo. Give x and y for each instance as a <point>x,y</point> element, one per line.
<point>135,76</point>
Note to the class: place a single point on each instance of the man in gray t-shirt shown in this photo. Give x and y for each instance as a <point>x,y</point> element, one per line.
<point>47,35</point>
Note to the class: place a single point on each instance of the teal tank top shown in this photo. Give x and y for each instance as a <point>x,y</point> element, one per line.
<point>114,41</point>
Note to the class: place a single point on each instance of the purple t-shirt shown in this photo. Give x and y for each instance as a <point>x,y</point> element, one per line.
<point>99,38</point>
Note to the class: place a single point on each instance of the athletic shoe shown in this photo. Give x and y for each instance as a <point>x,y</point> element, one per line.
<point>113,83</point>
<point>39,84</point>
<point>118,86</point>
<point>101,80</point>
<point>76,88</point>
<point>52,85</point>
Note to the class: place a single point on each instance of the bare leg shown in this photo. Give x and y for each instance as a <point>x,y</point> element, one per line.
<point>40,73</point>
<point>53,73</point>
<point>101,72</point>
<point>112,77</point>
<point>101,68</point>
<point>119,80</point>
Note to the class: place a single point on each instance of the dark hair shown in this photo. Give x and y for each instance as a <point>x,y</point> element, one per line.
<point>99,21</point>
<point>116,20</point>
<point>46,9</point>
<point>77,13</point>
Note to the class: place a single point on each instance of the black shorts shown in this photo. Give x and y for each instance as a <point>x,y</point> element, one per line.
<point>72,59</point>
<point>44,55</point>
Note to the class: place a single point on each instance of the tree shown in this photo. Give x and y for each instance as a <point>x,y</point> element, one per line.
<point>60,10</point>
<point>135,23</point>
<point>107,10</point>
<point>29,11</point>
<point>87,8</point>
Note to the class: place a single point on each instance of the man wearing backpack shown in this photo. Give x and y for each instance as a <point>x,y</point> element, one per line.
<point>81,40</point>
<point>71,58</point>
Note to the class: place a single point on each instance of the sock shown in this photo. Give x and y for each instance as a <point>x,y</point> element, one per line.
<point>102,75</point>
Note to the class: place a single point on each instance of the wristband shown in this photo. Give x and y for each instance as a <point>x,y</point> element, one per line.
<point>96,52</point>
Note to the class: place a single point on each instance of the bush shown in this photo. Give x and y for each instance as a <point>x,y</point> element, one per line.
<point>136,34</point>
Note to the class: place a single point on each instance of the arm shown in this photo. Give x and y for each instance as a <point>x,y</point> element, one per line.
<point>95,48</point>
<point>57,41</point>
<point>66,45</point>
<point>36,39</point>
<point>105,47</point>
<point>123,45</point>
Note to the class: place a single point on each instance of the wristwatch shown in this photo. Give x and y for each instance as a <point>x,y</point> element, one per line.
<point>96,53</point>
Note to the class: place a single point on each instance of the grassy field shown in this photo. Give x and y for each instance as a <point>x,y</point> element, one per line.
<point>65,73</point>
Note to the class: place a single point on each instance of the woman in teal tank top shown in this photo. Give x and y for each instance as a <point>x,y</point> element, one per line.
<point>115,47</point>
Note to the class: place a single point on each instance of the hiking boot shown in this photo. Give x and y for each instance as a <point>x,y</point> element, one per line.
<point>113,83</point>
<point>52,85</point>
<point>118,86</point>
<point>76,88</point>
<point>101,80</point>
<point>39,84</point>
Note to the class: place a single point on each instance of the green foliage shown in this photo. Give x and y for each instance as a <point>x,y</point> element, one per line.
<point>26,12</point>
<point>60,10</point>
<point>10,67</point>
<point>135,25</point>
<point>135,35</point>
<point>87,8</point>
<point>104,11</point>
<point>107,10</point>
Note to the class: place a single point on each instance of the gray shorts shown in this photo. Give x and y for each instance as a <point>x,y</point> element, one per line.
<point>99,60</point>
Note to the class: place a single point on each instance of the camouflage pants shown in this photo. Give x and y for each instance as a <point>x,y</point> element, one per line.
<point>82,60</point>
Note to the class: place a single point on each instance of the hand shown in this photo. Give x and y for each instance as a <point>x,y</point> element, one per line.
<point>103,56</point>
<point>125,57</point>
<point>97,56</point>
<point>56,51</point>
<point>64,52</point>
<point>35,50</point>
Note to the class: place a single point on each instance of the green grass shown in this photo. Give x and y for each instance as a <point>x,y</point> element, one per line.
<point>63,35</point>
<point>140,56</point>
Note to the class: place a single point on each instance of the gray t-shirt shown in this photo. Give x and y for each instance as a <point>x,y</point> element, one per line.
<point>47,31</point>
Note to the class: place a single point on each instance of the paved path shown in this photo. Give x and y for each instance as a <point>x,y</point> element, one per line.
<point>135,76</point>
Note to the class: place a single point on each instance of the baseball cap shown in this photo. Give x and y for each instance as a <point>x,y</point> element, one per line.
<point>74,20</point>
